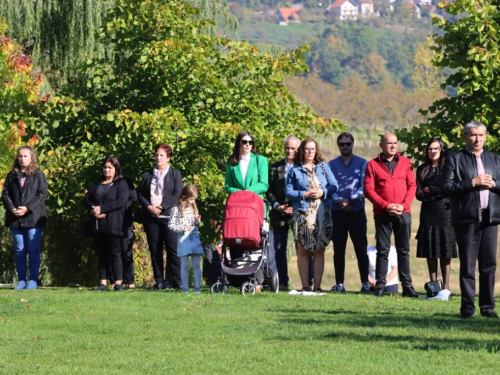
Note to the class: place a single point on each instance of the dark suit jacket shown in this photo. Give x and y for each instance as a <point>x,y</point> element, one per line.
<point>276,193</point>
<point>172,186</point>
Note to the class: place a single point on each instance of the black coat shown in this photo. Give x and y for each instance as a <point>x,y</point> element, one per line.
<point>172,187</point>
<point>458,171</point>
<point>31,196</point>
<point>276,193</point>
<point>112,204</point>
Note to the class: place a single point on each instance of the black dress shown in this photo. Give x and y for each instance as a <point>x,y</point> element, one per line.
<point>435,235</point>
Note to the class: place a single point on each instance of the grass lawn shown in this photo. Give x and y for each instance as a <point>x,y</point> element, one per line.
<point>76,331</point>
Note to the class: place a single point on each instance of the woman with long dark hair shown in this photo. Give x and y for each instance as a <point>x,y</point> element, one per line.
<point>106,202</point>
<point>245,169</point>
<point>435,235</point>
<point>159,191</point>
<point>24,193</point>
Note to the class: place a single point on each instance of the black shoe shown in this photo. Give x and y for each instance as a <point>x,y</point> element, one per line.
<point>158,286</point>
<point>118,287</point>
<point>489,314</point>
<point>167,285</point>
<point>101,288</point>
<point>466,315</point>
<point>379,291</point>
<point>410,292</point>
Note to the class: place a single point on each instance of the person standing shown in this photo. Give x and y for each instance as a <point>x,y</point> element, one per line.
<point>470,178</point>
<point>23,196</point>
<point>390,186</point>
<point>159,191</point>
<point>435,235</point>
<point>105,202</point>
<point>348,212</point>
<point>282,211</point>
<point>309,186</point>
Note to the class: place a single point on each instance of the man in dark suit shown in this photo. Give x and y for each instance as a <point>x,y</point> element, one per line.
<point>470,179</point>
<point>282,212</point>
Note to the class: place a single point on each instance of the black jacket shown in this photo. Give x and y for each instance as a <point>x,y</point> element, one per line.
<point>112,204</point>
<point>31,196</point>
<point>458,171</point>
<point>276,193</point>
<point>172,186</point>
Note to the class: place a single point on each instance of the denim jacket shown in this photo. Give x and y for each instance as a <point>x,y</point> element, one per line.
<point>297,185</point>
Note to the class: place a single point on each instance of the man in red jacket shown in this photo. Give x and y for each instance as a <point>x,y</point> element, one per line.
<point>390,186</point>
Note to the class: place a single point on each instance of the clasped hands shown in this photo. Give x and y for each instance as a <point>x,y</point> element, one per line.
<point>395,209</point>
<point>20,211</point>
<point>344,204</point>
<point>314,193</point>
<point>96,211</point>
<point>284,209</point>
<point>483,181</point>
<point>155,210</point>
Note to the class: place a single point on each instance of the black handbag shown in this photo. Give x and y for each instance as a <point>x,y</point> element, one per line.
<point>432,288</point>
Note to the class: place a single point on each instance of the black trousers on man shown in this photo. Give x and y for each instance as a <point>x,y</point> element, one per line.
<point>158,234</point>
<point>400,225</point>
<point>127,243</point>
<point>477,242</point>
<point>352,223</point>
<point>280,236</point>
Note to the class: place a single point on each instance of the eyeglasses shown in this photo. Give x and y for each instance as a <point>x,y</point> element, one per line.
<point>346,144</point>
<point>246,142</point>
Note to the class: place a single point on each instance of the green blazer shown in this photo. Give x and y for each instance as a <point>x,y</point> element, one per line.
<point>256,179</point>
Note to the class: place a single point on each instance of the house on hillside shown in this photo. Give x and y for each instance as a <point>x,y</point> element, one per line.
<point>288,15</point>
<point>365,7</point>
<point>343,10</point>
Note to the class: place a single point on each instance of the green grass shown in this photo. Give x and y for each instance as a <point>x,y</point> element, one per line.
<point>72,331</point>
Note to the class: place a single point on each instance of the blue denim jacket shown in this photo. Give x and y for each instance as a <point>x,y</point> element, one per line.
<point>297,184</point>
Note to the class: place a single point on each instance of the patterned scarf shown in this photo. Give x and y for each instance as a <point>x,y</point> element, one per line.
<point>159,178</point>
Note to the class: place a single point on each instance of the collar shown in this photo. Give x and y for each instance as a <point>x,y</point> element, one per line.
<point>383,159</point>
<point>246,158</point>
<point>471,153</point>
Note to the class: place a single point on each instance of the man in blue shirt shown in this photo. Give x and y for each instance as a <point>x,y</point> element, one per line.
<point>348,212</point>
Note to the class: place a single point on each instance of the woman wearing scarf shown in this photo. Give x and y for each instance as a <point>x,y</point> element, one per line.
<point>158,193</point>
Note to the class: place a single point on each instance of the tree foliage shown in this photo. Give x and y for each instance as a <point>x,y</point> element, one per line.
<point>468,46</point>
<point>167,82</point>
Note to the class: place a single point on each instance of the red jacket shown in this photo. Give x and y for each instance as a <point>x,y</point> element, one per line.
<point>381,188</point>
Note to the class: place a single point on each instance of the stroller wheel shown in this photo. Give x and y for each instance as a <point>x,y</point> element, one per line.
<point>218,288</point>
<point>275,282</point>
<point>247,288</point>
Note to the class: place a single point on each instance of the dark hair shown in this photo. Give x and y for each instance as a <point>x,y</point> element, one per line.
<point>32,168</point>
<point>164,147</point>
<point>301,154</point>
<point>118,168</point>
<point>236,155</point>
<point>428,162</point>
<point>188,191</point>
<point>344,135</point>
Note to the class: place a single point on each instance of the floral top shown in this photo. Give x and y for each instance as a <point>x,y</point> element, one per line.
<point>177,222</point>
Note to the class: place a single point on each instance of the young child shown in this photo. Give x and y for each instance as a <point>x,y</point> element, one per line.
<point>184,220</point>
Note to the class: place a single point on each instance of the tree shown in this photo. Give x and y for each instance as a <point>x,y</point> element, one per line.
<point>426,76</point>
<point>167,83</point>
<point>469,47</point>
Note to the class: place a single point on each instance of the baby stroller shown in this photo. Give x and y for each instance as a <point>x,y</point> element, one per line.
<point>244,258</point>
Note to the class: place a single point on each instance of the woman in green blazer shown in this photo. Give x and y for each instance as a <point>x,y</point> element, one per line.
<point>245,170</point>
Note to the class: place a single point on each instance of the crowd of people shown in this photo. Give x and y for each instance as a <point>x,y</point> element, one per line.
<point>320,202</point>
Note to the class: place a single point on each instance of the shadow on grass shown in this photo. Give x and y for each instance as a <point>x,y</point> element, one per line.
<point>430,330</point>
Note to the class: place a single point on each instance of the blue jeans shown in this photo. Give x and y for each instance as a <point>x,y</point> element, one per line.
<point>27,247</point>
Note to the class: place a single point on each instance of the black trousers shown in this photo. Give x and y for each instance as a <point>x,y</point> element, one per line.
<point>280,235</point>
<point>158,234</point>
<point>385,226</point>
<point>352,223</point>
<point>110,255</point>
<point>477,242</point>
<point>127,242</point>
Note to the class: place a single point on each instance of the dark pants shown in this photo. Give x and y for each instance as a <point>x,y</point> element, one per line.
<point>477,242</point>
<point>280,235</point>
<point>127,242</point>
<point>400,225</point>
<point>352,223</point>
<point>158,234</point>
<point>110,255</point>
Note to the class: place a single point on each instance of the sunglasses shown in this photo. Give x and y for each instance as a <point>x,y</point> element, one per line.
<point>346,144</point>
<point>245,142</point>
